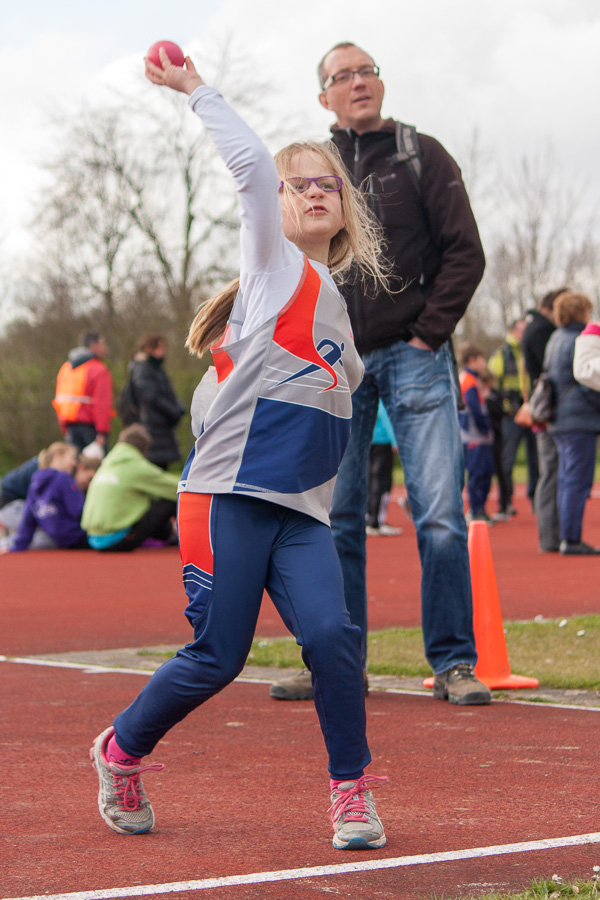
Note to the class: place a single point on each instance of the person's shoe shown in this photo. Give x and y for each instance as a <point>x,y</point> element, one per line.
<point>511,511</point>
<point>501,516</point>
<point>299,687</point>
<point>383,530</point>
<point>458,685</point>
<point>578,548</point>
<point>405,507</point>
<point>480,516</point>
<point>294,687</point>
<point>122,800</point>
<point>389,530</point>
<point>356,825</point>
<point>553,549</point>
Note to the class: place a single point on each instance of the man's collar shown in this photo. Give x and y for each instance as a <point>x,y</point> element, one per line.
<point>388,126</point>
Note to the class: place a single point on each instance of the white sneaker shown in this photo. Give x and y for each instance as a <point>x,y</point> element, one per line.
<point>383,531</point>
<point>122,800</point>
<point>356,824</point>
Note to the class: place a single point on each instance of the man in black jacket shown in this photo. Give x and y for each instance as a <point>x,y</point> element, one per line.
<point>403,336</point>
<point>539,327</point>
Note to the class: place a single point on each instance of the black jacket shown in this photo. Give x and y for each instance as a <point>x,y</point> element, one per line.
<point>431,237</point>
<point>533,344</point>
<point>160,410</point>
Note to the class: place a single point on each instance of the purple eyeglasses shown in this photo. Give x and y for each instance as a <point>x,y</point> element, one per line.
<point>324,182</point>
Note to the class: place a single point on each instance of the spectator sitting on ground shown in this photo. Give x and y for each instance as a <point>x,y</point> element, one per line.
<point>87,466</point>
<point>12,513</point>
<point>54,504</point>
<point>130,499</point>
<point>15,484</point>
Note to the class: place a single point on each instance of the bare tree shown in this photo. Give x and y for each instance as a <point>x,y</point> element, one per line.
<point>140,192</point>
<point>538,234</point>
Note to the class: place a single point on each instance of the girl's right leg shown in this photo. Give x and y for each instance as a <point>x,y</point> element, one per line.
<point>225,549</point>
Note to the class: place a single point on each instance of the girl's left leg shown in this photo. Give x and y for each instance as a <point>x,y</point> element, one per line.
<point>305,584</point>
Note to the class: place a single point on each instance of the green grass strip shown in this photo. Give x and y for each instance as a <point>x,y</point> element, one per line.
<point>560,653</point>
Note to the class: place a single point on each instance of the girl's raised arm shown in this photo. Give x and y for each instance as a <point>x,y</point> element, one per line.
<point>246,157</point>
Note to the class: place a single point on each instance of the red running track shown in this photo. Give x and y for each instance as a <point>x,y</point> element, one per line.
<point>245,788</point>
<point>56,601</point>
<point>245,791</point>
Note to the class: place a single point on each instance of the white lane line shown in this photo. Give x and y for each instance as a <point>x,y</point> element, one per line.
<point>83,667</point>
<point>89,669</point>
<point>176,887</point>
<point>539,704</point>
<point>247,679</point>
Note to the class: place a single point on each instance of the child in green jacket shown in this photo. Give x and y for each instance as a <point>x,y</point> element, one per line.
<point>130,500</point>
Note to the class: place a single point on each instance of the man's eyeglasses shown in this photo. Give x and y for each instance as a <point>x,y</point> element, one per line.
<point>347,75</point>
<point>324,182</point>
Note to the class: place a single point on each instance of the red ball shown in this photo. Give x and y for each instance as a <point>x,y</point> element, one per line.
<point>173,51</point>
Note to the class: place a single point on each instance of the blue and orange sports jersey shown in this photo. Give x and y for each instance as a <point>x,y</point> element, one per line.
<point>279,424</point>
<point>474,421</point>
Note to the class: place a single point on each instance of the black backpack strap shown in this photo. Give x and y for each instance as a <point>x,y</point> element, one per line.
<point>409,151</point>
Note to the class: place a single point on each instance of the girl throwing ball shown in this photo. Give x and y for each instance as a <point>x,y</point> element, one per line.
<point>272,420</point>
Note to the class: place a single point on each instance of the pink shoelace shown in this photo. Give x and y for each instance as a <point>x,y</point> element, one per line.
<point>352,802</point>
<point>127,787</point>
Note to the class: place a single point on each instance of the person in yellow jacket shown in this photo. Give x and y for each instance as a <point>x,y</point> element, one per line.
<point>508,366</point>
<point>84,393</point>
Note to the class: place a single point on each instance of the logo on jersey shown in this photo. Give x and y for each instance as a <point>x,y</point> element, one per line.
<point>333,356</point>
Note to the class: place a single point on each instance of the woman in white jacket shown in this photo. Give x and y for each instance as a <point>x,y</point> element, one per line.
<point>586,362</point>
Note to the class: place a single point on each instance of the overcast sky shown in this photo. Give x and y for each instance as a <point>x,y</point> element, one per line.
<point>523,72</point>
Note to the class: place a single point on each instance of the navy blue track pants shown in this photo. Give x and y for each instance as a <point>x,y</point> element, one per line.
<point>232,548</point>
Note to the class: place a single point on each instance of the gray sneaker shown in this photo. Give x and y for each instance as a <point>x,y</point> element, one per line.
<point>122,800</point>
<point>299,687</point>
<point>356,825</point>
<point>459,685</point>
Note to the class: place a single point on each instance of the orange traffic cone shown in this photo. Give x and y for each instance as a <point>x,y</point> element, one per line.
<point>492,667</point>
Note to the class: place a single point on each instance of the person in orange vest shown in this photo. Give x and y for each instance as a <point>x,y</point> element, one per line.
<point>84,393</point>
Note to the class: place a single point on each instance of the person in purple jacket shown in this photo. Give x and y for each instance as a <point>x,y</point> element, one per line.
<point>54,503</point>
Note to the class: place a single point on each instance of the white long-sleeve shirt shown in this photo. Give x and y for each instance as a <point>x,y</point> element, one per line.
<point>270,264</point>
<point>279,423</point>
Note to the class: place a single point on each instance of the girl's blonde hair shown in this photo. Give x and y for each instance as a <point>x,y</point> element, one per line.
<point>54,451</point>
<point>358,245</point>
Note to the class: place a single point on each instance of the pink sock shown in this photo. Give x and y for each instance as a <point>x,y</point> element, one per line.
<point>116,755</point>
<point>333,783</point>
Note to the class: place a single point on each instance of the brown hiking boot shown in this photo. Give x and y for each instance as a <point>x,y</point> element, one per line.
<point>299,687</point>
<point>459,685</point>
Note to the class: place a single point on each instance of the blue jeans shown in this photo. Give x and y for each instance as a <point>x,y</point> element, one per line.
<point>419,393</point>
<point>576,464</point>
